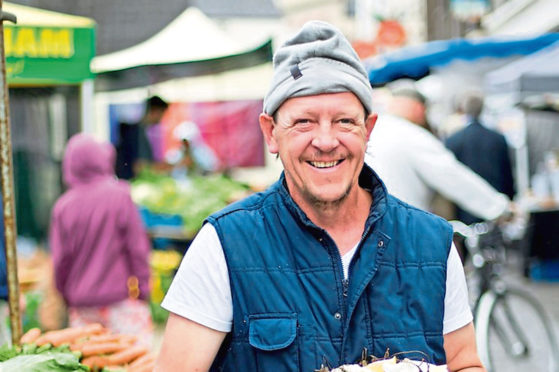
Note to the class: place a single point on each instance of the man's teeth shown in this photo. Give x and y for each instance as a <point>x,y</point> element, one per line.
<point>323,164</point>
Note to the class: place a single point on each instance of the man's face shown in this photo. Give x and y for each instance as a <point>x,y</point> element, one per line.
<point>321,141</point>
<point>154,115</point>
<point>409,108</point>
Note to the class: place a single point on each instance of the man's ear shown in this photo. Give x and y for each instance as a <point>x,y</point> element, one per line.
<point>267,128</point>
<point>370,123</point>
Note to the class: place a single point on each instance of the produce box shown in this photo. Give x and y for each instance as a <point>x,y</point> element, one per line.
<point>545,271</point>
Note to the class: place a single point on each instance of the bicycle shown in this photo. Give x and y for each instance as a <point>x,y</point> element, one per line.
<point>513,331</point>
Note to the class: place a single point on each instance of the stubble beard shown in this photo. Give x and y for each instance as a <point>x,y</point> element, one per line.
<point>326,204</point>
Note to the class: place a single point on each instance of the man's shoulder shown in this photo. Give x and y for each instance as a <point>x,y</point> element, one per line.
<point>424,230</point>
<point>461,134</point>
<point>476,129</point>
<point>493,134</point>
<point>250,203</point>
<point>390,121</point>
<point>396,129</point>
<point>399,207</point>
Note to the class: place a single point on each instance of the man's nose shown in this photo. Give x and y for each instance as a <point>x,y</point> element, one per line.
<point>325,137</point>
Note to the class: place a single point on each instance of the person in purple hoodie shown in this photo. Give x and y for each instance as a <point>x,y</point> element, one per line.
<point>99,247</point>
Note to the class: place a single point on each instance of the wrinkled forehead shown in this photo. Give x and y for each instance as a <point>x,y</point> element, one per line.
<point>328,103</point>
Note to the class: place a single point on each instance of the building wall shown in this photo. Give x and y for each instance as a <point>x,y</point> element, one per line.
<point>440,22</point>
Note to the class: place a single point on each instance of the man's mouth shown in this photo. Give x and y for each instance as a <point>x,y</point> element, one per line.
<point>325,164</point>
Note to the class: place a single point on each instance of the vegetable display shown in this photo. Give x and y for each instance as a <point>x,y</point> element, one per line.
<point>45,361</point>
<point>33,358</point>
<point>88,348</point>
<point>193,200</point>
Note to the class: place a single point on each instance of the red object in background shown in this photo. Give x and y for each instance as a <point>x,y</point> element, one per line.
<point>391,33</point>
<point>364,49</point>
<point>230,128</point>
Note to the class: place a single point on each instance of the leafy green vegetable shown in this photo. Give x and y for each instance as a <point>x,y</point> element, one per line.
<point>47,361</point>
<point>7,352</point>
<point>202,196</point>
<point>30,317</point>
<point>43,348</point>
<point>29,349</point>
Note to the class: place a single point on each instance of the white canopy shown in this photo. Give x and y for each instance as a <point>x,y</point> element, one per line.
<point>192,36</point>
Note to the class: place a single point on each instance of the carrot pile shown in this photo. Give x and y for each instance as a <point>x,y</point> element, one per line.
<point>100,349</point>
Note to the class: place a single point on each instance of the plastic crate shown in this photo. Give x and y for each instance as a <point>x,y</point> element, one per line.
<point>545,271</point>
<point>152,219</point>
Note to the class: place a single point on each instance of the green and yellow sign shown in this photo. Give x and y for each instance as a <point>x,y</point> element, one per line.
<point>47,47</point>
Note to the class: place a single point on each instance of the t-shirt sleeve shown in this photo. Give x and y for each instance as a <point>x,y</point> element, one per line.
<point>457,311</point>
<point>200,290</point>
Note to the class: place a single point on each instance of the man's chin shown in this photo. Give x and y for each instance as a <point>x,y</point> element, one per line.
<point>325,198</point>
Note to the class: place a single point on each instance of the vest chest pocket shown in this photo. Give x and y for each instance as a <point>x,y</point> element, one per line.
<point>273,336</point>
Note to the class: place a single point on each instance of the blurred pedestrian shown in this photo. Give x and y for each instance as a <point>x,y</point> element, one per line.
<point>483,150</point>
<point>134,149</point>
<point>99,247</point>
<point>194,156</point>
<point>415,165</point>
<point>455,121</point>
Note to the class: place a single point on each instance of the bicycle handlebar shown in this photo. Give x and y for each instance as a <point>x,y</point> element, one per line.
<point>475,229</point>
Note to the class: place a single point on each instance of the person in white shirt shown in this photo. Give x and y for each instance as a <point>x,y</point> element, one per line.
<point>415,165</point>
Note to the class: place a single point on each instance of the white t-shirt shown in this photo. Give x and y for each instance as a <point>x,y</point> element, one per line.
<point>201,291</point>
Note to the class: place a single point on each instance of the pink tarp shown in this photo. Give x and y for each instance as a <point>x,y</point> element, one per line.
<point>230,128</point>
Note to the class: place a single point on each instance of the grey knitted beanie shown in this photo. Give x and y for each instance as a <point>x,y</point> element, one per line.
<point>319,59</point>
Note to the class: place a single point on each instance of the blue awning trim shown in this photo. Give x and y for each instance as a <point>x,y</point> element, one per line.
<point>416,61</point>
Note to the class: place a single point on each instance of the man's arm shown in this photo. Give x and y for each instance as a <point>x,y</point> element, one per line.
<point>187,346</point>
<point>461,351</point>
<point>440,169</point>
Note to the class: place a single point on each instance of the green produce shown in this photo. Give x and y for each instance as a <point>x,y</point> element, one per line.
<point>7,352</point>
<point>193,201</point>
<point>46,361</point>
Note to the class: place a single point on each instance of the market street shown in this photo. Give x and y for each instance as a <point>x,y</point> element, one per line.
<point>545,292</point>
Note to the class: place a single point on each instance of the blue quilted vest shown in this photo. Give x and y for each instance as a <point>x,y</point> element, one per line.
<point>292,308</point>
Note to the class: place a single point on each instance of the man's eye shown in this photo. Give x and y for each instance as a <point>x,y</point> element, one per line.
<point>303,123</point>
<point>346,121</point>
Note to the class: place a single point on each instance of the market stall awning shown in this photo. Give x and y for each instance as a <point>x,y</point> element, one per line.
<point>536,73</point>
<point>191,45</point>
<point>47,47</point>
<point>417,61</point>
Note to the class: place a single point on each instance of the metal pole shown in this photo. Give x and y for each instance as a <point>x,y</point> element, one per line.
<point>7,179</point>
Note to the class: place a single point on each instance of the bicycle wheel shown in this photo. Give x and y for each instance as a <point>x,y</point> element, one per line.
<point>513,333</point>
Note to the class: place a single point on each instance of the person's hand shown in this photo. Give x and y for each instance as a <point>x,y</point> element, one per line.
<point>513,222</point>
<point>510,213</point>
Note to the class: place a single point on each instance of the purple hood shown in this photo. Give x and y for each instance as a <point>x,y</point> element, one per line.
<point>87,160</point>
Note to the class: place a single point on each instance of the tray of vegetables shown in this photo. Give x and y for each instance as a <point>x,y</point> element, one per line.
<point>88,348</point>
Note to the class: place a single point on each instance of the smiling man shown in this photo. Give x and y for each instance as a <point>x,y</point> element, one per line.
<point>324,263</point>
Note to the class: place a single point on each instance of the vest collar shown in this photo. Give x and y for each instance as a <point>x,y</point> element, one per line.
<point>368,180</point>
